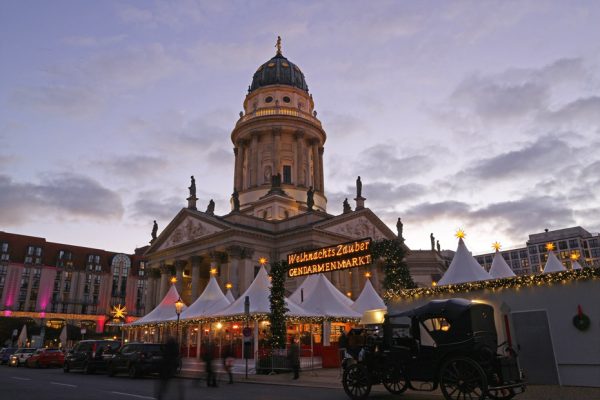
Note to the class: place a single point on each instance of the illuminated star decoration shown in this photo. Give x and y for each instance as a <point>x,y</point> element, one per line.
<point>550,246</point>
<point>262,261</point>
<point>574,256</point>
<point>213,271</point>
<point>119,311</point>
<point>497,246</point>
<point>460,233</point>
<point>367,274</point>
<point>173,280</point>
<point>228,285</point>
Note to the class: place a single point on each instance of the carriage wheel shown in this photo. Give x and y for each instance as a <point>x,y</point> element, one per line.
<point>394,379</point>
<point>356,382</point>
<point>501,394</point>
<point>462,378</point>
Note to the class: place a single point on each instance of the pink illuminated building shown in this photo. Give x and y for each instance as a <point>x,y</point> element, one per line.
<point>64,283</point>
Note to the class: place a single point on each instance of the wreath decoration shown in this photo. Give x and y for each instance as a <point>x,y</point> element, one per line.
<point>581,321</point>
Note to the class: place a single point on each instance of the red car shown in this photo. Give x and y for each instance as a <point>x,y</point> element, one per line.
<point>46,358</point>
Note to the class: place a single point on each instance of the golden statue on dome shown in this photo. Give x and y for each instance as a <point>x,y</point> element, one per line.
<point>278,45</point>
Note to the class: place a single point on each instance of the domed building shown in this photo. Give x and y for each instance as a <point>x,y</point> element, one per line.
<point>278,205</point>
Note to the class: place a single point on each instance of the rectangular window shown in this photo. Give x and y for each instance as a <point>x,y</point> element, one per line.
<point>562,245</point>
<point>542,248</point>
<point>514,255</point>
<point>4,247</point>
<point>595,252</point>
<point>573,243</point>
<point>594,243</point>
<point>505,256</point>
<point>532,250</point>
<point>287,174</point>
<point>523,254</point>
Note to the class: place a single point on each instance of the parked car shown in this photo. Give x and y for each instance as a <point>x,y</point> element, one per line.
<point>90,355</point>
<point>137,359</point>
<point>6,353</point>
<point>20,356</point>
<point>46,358</point>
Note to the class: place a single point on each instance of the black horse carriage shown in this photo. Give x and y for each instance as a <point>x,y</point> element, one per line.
<point>450,344</point>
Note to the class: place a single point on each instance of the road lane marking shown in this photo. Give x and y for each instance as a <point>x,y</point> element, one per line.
<point>62,384</point>
<point>135,395</point>
<point>20,379</point>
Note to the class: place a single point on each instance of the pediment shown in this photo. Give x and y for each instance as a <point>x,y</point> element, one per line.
<point>358,228</point>
<point>189,229</point>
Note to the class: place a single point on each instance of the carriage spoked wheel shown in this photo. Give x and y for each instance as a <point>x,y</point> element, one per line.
<point>462,378</point>
<point>501,394</point>
<point>394,379</point>
<point>356,382</point>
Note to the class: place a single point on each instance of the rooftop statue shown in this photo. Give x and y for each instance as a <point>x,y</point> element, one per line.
<point>192,187</point>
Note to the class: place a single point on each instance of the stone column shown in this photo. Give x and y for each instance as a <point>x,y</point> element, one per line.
<point>254,164</point>
<point>236,172</point>
<point>316,168</point>
<point>235,254</point>
<point>165,275</point>
<point>276,151</point>
<point>179,265</point>
<point>321,175</point>
<point>195,262</point>
<point>355,282</point>
<point>298,179</point>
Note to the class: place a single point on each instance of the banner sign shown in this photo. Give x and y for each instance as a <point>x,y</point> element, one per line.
<point>331,258</point>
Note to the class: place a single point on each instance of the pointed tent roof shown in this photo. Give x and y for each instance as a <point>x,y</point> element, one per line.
<point>368,299</point>
<point>500,268</point>
<point>258,293</point>
<point>164,311</point>
<point>211,301</point>
<point>553,265</point>
<point>463,268</point>
<point>325,302</point>
<point>229,296</point>
<point>575,265</point>
<point>308,286</point>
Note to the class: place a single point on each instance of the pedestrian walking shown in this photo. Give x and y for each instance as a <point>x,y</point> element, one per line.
<point>228,361</point>
<point>294,358</point>
<point>208,357</point>
<point>168,369</point>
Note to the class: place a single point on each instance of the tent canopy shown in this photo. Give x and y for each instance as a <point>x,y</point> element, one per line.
<point>164,311</point>
<point>368,299</point>
<point>229,296</point>
<point>324,301</point>
<point>306,289</point>
<point>553,265</point>
<point>463,268</point>
<point>258,294</point>
<point>211,301</point>
<point>500,268</point>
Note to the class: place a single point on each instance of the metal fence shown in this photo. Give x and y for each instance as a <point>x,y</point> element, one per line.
<point>271,361</point>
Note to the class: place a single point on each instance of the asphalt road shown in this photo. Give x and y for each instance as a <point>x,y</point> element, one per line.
<point>49,384</point>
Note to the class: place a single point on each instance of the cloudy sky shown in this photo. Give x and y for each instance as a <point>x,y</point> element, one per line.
<point>480,115</point>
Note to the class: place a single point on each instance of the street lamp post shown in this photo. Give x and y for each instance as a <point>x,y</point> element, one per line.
<point>178,308</point>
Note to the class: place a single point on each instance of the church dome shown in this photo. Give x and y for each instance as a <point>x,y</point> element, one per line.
<point>278,71</point>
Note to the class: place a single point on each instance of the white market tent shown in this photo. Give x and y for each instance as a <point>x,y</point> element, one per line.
<point>368,299</point>
<point>308,286</point>
<point>463,268</point>
<point>500,268</point>
<point>229,296</point>
<point>258,294</point>
<point>575,265</point>
<point>324,301</point>
<point>553,265</point>
<point>211,301</point>
<point>164,311</point>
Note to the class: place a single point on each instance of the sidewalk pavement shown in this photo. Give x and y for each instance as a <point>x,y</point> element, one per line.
<point>331,378</point>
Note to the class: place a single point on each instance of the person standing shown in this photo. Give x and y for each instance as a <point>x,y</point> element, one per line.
<point>228,361</point>
<point>168,368</point>
<point>211,376</point>
<point>294,357</point>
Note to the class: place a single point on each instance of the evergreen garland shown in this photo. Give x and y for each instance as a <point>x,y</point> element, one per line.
<point>278,308</point>
<point>396,271</point>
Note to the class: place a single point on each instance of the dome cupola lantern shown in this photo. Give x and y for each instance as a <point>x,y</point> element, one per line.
<point>278,141</point>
